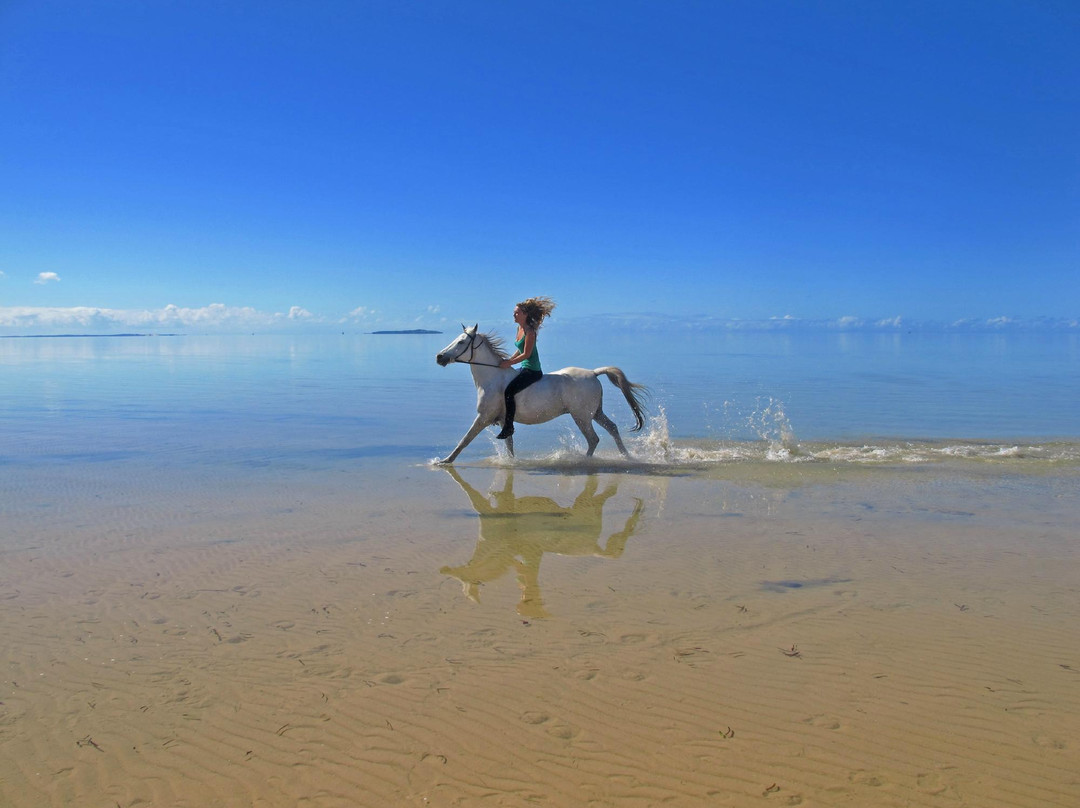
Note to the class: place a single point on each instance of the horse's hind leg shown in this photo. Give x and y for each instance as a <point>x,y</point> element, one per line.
<point>613,430</point>
<point>586,427</point>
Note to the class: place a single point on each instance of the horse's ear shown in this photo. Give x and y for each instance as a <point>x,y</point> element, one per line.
<point>463,328</point>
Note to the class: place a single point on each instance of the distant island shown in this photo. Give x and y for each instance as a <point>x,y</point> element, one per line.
<point>410,331</point>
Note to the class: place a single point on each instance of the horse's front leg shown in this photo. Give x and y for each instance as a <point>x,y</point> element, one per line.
<point>477,427</point>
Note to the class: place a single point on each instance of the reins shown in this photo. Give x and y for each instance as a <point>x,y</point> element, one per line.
<point>472,353</point>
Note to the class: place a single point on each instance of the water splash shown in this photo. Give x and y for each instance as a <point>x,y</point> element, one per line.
<point>772,425</point>
<point>655,442</point>
<point>655,446</point>
<point>774,441</point>
<point>769,438</point>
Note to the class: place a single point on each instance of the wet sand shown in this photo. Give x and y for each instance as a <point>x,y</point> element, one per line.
<point>539,637</point>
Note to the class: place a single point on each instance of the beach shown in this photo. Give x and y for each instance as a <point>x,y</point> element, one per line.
<point>688,640</point>
<point>245,607</point>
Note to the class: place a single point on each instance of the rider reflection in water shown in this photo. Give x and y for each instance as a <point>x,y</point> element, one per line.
<point>529,315</point>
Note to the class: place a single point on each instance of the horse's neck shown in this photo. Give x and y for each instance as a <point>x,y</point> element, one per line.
<point>493,355</point>
<point>485,365</point>
<point>486,356</point>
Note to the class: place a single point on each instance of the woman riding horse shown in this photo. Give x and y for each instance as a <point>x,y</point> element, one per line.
<point>529,315</point>
<point>571,391</point>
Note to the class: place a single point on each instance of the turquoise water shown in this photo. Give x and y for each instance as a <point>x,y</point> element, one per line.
<point>325,401</point>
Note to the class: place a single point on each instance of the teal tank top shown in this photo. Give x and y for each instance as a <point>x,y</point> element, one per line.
<point>532,362</point>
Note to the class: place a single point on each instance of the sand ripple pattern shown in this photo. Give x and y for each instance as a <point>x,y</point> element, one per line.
<point>733,654</point>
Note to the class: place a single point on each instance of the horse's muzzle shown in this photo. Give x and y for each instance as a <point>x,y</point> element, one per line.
<point>442,360</point>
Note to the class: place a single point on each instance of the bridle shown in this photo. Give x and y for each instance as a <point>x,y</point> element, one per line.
<point>472,353</point>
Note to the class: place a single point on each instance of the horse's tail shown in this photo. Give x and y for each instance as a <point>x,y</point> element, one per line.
<point>635,393</point>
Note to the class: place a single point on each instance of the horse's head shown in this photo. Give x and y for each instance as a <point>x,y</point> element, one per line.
<point>453,352</point>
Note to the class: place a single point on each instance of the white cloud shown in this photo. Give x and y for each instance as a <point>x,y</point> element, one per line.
<point>221,318</point>
<point>214,317</point>
<point>849,322</point>
<point>46,277</point>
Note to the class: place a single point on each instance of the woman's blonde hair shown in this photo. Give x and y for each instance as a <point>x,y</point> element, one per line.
<point>536,309</point>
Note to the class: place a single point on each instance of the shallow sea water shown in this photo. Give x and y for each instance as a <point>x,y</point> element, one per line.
<point>840,569</point>
<point>320,398</point>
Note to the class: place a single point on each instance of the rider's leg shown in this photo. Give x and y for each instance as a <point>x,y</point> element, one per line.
<point>517,384</point>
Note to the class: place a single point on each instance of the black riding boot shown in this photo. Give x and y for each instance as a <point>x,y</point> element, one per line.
<point>508,422</point>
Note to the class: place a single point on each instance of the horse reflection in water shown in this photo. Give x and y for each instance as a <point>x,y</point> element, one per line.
<point>515,532</point>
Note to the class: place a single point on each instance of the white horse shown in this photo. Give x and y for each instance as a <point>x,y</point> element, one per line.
<point>573,391</point>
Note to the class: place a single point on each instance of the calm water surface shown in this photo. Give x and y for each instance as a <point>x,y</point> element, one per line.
<point>318,400</point>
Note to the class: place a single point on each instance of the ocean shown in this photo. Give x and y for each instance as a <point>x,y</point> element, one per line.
<point>839,568</point>
<point>319,401</point>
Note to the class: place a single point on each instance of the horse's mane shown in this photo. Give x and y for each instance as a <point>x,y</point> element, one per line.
<point>497,344</point>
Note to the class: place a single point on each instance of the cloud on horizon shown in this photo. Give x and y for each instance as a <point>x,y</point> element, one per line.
<point>361,313</point>
<point>92,319</point>
<point>897,324</point>
<point>221,318</point>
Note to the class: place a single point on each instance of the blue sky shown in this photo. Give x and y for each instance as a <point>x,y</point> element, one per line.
<point>402,164</point>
